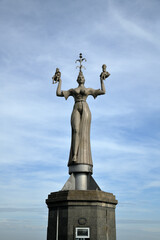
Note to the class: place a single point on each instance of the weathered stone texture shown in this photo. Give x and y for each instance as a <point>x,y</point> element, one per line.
<point>95,209</point>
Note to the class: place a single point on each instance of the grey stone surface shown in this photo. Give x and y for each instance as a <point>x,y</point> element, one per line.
<point>77,195</point>
<point>96,207</point>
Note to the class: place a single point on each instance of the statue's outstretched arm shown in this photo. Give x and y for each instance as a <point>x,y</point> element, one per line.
<point>103,76</point>
<point>57,78</point>
<point>59,93</point>
<point>103,89</point>
<point>96,92</point>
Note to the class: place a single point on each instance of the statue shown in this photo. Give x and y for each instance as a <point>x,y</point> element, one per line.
<point>80,210</point>
<point>56,76</point>
<point>80,151</point>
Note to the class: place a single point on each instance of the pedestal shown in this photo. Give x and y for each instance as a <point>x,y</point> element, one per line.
<point>81,214</point>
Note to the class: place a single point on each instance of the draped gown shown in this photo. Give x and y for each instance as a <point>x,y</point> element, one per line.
<point>80,95</point>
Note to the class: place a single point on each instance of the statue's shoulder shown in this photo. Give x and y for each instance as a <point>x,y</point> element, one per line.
<point>70,91</point>
<point>76,90</point>
<point>89,90</point>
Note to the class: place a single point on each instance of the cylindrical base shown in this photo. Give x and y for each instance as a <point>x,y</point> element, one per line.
<point>81,180</point>
<point>80,168</point>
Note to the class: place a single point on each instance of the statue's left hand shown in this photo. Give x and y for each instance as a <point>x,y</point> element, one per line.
<point>104,75</point>
<point>57,76</point>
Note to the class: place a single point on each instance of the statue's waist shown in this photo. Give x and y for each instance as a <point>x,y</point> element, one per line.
<point>80,100</point>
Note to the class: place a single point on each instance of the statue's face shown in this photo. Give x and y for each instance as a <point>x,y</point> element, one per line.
<point>104,67</point>
<point>81,80</point>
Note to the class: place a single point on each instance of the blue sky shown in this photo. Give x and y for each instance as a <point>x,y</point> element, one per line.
<point>38,36</point>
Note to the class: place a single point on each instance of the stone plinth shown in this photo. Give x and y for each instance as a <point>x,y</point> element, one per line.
<point>92,209</point>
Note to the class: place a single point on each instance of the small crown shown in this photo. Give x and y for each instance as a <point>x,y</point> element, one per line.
<point>80,60</point>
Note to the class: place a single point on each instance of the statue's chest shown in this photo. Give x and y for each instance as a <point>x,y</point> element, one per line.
<point>80,92</point>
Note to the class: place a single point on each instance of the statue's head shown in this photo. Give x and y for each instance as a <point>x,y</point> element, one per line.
<point>80,78</point>
<point>104,67</point>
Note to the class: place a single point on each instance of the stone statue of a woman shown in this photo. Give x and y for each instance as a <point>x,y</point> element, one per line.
<point>80,151</point>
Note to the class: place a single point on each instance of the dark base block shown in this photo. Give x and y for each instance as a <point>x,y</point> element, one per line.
<point>77,211</point>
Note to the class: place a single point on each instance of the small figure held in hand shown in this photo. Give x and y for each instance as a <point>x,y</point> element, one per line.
<point>56,76</point>
<point>104,74</point>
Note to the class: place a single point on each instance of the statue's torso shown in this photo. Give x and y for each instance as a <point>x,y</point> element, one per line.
<point>80,94</point>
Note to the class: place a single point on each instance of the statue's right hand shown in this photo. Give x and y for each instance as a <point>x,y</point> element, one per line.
<point>56,78</point>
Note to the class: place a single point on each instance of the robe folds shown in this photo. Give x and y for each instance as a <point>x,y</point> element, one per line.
<point>84,155</point>
<point>84,149</point>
